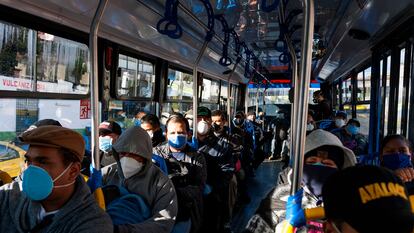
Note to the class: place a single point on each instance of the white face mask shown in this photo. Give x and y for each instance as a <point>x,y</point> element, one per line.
<point>130,166</point>
<point>203,127</point>
<point>151,134</point>
<point>339,123</point>
<point>310,127</point>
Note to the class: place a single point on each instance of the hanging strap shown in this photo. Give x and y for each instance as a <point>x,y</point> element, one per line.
<point>170,21</point>
<point>210,20</point>
<point>225,60</point>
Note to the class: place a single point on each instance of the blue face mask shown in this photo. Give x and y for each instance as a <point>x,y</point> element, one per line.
<point>37,183</point>
<point>105,144</point>
<point>396,161</point>
<point>137,122</point>
<point>177,141</point>
<point>353,129</point>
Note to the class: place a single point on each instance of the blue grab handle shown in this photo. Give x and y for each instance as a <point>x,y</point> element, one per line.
<point>170,21</point>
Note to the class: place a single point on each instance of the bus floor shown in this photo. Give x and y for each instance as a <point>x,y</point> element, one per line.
<point>258,187</point>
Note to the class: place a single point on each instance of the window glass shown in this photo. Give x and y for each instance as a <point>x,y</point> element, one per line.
<point>362,114</point>
<point>400,91</point>
<point>360,86</point>
<point>387,95</point>
<point>124,111</point>
<point>176,107</point>
<point>210,91</point>
<point>37,61</point>
<point>223,96</point>
<point>348,110</point>
<point>367,84</point>
<point>137,77</point>
<point>180,85</point>
<point>346,91</point>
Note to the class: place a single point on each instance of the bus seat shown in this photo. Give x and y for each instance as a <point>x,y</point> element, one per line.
<point>5,178</point>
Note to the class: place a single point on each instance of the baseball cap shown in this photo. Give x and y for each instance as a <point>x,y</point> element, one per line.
<point>55,137</point>
<point>108,127</point>
<point>203,111</point>
<point>369,198</point>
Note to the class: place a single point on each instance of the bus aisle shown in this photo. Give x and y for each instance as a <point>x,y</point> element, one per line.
<point>258,187</point>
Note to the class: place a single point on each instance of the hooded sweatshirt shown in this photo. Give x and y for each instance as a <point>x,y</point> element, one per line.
<point>272,209</point>
<point>150,183</point>
<point>79,214</point>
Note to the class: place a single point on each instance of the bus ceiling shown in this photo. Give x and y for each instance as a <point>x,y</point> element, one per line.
<point>345,31</point>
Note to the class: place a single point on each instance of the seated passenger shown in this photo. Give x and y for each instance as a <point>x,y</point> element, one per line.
<point>109,132</point>
<point>52,196</point>
<point>339,121</point>
<point>138,117</point>
<point>324,155</point>
<point>151,124</point>
<point>186,169</point>
<point>352,139</point>
<point>136,173</point>
<point>351,206</point>
<point>310,123</point>
<point>396,155</point>
<point>204,133</point>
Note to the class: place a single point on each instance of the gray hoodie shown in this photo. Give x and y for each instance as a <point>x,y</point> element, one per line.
<point>80,214</point>
<point>150,183</point>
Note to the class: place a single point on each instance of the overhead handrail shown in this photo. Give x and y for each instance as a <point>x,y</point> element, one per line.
<point>207,39</point>
<point>170,21</point>
<point>225,60</point>
<point>200,23</point>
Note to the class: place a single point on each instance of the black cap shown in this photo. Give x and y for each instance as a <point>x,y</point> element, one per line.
<point>354,121</point>
<point>108,127</point>
<point>203,111</point>
<point>369,198</point>
<point>341,114</point>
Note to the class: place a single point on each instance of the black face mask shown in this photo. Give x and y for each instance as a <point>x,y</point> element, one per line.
<point>314,176</point>
<point>216,128</point>
<point>238,121</point>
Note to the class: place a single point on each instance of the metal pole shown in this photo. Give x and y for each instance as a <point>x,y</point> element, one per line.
<point>93,55</point>
<point>301,94</point>
<point>195,87</point>
<point>246,99</point>
<point>229,92</point>
<point>257,99</point>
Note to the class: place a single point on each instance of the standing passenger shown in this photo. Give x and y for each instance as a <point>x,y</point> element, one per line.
<point>52,196</point>
<point>151,124</point>
<point>186,169</point>
<point>136,173</point>
<point>323,108</point>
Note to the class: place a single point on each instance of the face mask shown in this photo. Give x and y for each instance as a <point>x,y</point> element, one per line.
<point>339,123</point>
<point>310,127</point>
<point>314,176</point>
<point>37,183</point>
<point>396,161</point>
<point>238,122</point>
<point>151,134</point>
<point>203,127</point>
<point>353,129</point>
<point>130,166</point>
<point>105,144</point>
<point>137,122</point>
<point>177,141</point>
<point>217,128</point>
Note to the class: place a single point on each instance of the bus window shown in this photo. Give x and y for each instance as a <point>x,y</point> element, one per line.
<point>400,92</point>
<point>223,96</point>
<point>124,111</point>
<point>137,78</point>
<point>179,86</point>
<point>387,95</point>
<point>36,61</point>
<point>362,114</point>
<point>210,94</point>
